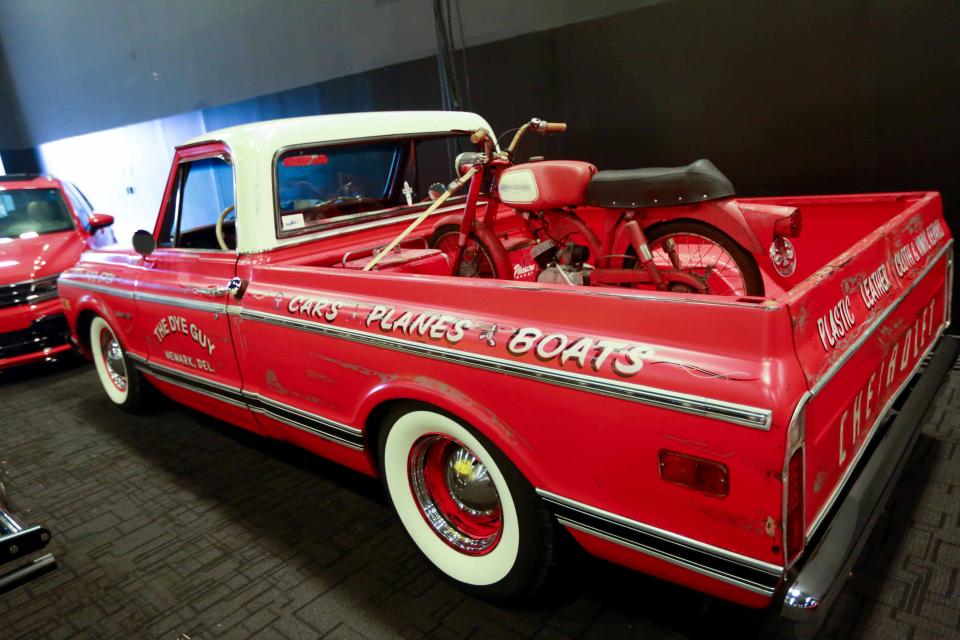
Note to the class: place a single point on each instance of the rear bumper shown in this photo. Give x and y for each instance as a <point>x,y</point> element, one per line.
<point>813,583</point>
<point>18,543</point>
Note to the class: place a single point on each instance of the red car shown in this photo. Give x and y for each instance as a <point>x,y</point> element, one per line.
<point>45,224</point>
<point>741,444</point>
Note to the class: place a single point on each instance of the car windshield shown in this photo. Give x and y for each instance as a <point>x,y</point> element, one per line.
<point>25,213</point>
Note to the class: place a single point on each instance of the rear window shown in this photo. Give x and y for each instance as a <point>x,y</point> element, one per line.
<point>323,186</point>
<point>31,212</point>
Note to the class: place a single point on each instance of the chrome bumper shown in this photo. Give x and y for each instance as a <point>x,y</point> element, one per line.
<point>17,543</point>
<point>813,583</point>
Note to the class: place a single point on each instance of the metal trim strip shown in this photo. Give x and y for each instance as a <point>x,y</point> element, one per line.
<point>873,326</point>
<point>82,283</point>
<point>173,301</point>
<point>760,565</point>
<point>333,424</point>
<point>705,571</point>
<point>195,388</point>
<point>732,568</point>
<point>326,435</point>
<point>310,422</point>
<point>186,303</point>
<point>671,400</point>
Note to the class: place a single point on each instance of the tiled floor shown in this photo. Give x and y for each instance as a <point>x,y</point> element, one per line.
<point>179,526</point>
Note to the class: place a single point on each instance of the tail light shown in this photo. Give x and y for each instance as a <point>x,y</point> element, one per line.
<point>707,476</point>
<point>789,226</point>
<point>793,541</point>
<point>793,520</point>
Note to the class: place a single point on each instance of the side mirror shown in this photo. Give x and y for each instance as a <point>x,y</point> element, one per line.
<point>143,243</point>
<point>99,221</point>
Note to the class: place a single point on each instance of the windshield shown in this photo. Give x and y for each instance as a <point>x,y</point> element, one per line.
<point>25,213</point>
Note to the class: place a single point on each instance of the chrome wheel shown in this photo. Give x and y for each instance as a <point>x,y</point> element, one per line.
<point>455,494</point>
<point>112,354</point>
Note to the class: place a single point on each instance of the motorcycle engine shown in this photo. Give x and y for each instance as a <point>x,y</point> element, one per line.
<point>563,266</point>
<point>564,274</point>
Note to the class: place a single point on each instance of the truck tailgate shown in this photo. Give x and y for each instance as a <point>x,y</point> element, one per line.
<point>862,326</point>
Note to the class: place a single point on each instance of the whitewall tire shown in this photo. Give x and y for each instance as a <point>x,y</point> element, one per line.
<point>464,504</point>
<point>120,379</point>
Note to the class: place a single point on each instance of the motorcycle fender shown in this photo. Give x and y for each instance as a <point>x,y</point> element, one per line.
<point>725,216</point>
<point>453,218</point>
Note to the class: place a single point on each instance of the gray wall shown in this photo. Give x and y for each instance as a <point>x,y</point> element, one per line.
<point>88,65</point>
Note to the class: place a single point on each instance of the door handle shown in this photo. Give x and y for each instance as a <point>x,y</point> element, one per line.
<point>235,288</point>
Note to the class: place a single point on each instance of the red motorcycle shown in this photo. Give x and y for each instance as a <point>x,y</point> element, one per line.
<point>672,229</point>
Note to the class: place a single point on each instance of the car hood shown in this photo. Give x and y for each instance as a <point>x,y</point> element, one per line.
<point>45,255</point>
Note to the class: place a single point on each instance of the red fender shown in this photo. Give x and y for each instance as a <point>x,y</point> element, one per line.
<point>456,402</point>
<point>722,214</point>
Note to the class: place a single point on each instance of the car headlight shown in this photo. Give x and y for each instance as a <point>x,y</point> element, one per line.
<point>43,289</point>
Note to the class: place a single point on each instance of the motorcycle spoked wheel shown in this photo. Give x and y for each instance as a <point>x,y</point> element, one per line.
<point>708,253</point>
<point>476,261</point>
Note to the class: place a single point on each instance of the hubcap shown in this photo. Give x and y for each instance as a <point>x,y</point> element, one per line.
<point>455,494</point>
<point>113,360</point>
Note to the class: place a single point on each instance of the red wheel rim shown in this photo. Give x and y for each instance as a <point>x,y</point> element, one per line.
<point>455,494</point>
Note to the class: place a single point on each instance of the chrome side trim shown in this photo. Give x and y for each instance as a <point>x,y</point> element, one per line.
<point>298,418</point>
<point>191,377</point>
<point>873,326</point>
<point>732,568</point>
<point>192,387</point>
<point>838,489</point>
<point>703,546</point>
<point>707,407</point>
<point>311,423</point>
<point>82,283</point>
<point>270,402</point>
<point>185,303</point>
<point>173,301</point>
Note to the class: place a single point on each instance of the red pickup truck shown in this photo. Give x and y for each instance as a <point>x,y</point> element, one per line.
<point>739,445</point>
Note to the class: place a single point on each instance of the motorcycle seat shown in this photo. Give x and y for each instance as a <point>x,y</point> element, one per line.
<point>658,186</point>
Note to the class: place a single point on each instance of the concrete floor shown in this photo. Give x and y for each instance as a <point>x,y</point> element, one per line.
<point>179,526</point>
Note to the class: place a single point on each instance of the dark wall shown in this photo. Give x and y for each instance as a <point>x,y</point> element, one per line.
<point>15,153</point>
<point>799,97</point>
<point>86,66</point>
<point>786,97</point>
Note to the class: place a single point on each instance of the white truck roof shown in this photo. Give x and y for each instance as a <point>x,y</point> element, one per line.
<point>254,146</point>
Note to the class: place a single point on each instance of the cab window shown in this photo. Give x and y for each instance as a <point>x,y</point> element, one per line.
<point>202,192</point>
<point>325,186</point>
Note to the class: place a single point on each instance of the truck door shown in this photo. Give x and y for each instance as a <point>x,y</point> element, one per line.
<point>185,292</point>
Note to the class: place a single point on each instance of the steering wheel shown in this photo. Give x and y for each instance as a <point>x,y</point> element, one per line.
<point>223,216</point>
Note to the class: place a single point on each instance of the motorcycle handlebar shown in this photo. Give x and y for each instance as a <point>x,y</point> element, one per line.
<point>480,136</point>
<point>553,127</point>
